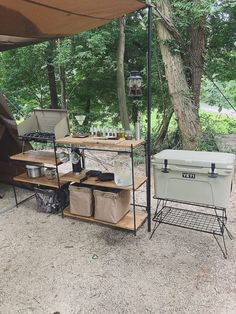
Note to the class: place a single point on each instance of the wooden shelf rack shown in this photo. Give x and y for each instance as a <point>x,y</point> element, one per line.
<point>130,221</point>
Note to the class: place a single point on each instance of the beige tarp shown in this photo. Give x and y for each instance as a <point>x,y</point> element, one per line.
<point>29,21</point>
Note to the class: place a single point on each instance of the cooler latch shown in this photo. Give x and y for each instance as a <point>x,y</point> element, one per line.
<point>165,169</point>
<point>213,174</point>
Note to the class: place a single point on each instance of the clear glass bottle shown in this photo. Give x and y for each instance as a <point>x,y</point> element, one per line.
<point>123,169</point>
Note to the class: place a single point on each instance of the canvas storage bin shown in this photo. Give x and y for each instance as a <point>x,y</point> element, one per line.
<point>81,200</point>
<point>111,205</point>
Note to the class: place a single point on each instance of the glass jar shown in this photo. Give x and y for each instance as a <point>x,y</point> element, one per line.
<point>50,173</point>
<point>128,135</point>
<point>120,134</point>
<point>123,169</point>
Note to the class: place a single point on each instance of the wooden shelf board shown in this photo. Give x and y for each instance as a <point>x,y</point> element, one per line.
<point>127,222</point>
<point>36,156</point>
<point>90,141</point>
<point>37,181</point>
<point>71,177</point>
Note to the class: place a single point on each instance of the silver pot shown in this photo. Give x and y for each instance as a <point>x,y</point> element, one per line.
<point>34,171</point>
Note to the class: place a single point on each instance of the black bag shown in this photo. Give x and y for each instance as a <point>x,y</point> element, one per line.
<point>90,173</point>
<point>106,176</point>
<point>51,201</point>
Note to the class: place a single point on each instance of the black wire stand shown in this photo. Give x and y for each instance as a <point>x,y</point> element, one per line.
<point>214,224</point>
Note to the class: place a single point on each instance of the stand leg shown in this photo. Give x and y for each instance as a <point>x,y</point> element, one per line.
<point>221,221</point>
<point>133,189</point>
<point>228,232</point>
<point>14,190</point>
<point>157,222</point>
<point>156,211</point>
<point>61,205</point>
<point>223,249</point>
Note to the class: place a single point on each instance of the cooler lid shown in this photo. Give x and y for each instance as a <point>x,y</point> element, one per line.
<point>195,158</point>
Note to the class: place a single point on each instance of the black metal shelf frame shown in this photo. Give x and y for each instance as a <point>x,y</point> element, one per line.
<point>214,224</point>
<point>53,166</point>
<point>129,150</point>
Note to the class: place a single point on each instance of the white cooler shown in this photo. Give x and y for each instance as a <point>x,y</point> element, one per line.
<point>197,177</point>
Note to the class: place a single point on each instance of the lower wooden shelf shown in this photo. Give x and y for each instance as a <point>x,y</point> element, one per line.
<point>127,222</point>
<point>37,181</point>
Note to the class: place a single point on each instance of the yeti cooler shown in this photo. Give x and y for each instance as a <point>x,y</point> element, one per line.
<point>198,177</point>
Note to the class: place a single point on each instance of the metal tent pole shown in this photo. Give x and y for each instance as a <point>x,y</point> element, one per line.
<point>149,108</point>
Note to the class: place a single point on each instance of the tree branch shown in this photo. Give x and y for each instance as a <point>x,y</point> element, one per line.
<point>169,26</point>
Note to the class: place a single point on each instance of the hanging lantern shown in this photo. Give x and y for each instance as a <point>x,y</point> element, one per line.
<point>135,84</point>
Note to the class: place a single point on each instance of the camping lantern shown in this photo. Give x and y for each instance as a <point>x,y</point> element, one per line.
<point>135,84</point>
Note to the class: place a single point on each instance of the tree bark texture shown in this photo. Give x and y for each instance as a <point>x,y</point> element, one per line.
<point>163,129</point>
<point>180,93</point>
<point>196,36</point>
<point>120,75</point>
<point>52,85</point>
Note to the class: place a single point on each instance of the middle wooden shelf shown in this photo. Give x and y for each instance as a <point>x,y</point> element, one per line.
<point>71,177</point>
<point>24,178</point>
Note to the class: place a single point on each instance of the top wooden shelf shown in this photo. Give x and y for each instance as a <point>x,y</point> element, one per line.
<point>90,141</point>
<point>36,156</point>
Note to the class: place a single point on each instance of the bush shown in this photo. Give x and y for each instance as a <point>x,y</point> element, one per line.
<point>218,124</point>
<point>208,141</point>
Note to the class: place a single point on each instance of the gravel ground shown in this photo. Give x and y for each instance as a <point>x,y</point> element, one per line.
<point>50,264</point>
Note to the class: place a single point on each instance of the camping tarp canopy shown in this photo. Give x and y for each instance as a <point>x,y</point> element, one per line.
<point>24,22</point>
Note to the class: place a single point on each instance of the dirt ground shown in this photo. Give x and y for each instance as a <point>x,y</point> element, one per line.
<point>50,264</point>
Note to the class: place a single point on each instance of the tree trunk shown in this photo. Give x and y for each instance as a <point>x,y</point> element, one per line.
<point>181,96</point>
<point>163,129</point>
<point>121,77</point>
<point>196,36</point>
<point>52,85</point>
<point>63,85</point>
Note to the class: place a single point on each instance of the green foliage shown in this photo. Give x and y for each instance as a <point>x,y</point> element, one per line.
<point>173,46</point>
<point>211,95</point>
<point>221,57</point>
<point>218,124</point>
<point>187,12</point>
<point>213,126</point>
<point>23,80</point>
<point>207,141</point>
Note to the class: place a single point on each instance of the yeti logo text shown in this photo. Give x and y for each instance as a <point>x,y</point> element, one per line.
<point>189,175</point>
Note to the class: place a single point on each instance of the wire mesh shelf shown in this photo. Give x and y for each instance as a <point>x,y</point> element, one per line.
<point>191,220</point>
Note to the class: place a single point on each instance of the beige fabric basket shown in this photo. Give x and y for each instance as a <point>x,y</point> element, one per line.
<point>111,206</point>
<point>81,201</point>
